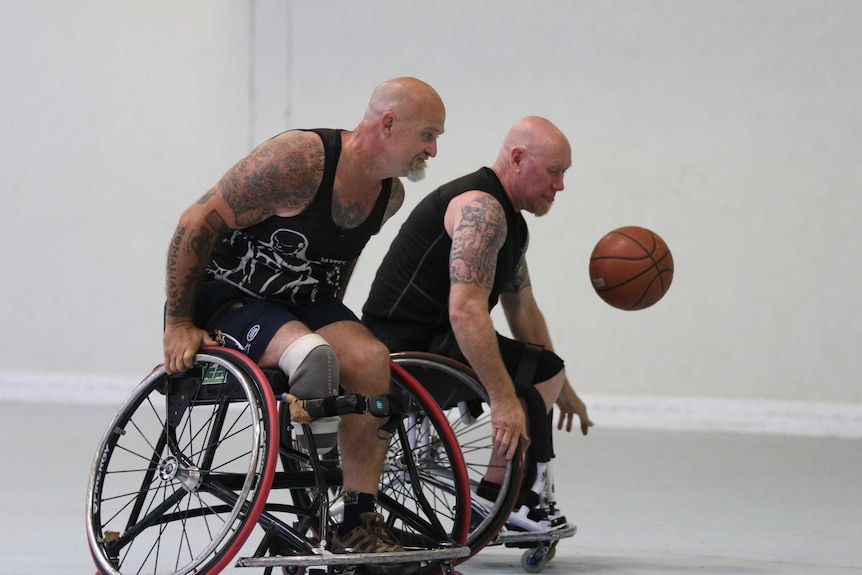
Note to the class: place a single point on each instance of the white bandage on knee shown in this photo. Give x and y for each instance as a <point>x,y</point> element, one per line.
<point>311,367</point>
<point>312,373</point>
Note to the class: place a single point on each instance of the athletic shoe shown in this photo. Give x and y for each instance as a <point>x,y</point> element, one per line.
<point>372,537</point>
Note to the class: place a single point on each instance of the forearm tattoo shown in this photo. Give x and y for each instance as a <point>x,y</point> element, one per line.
<point>476,242</point>
<point>182,287</point>
<point>276,176</point>
<point>194,248</point>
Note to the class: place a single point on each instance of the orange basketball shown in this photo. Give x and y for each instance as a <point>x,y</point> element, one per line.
<point>631,268</point>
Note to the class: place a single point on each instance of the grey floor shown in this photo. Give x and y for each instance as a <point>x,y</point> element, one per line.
<point>644,502</point>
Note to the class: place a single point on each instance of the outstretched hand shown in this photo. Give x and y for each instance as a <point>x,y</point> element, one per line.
<point>570,405</point>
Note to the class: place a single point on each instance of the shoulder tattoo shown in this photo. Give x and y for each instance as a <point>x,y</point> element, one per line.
<point>476,241</point>
<point>277,175</point>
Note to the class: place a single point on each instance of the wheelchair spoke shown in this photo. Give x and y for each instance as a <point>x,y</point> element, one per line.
<point>184,469</point>
<point>182,477</point>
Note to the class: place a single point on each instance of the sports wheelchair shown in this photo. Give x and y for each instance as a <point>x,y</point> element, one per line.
<point>496,518</point>
<point>188,470</point>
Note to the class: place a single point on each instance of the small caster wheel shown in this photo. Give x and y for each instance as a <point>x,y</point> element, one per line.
<point>533,561</point>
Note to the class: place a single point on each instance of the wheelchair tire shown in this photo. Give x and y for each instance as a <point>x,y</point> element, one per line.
<point>473,433</point>
<point>424,491</point>
<point>184,469</point>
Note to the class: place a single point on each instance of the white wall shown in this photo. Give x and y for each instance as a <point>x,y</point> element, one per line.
<point>731,128</point>
<point>115,116</point>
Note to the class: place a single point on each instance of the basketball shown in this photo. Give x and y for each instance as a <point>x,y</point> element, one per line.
<point>631,268</point>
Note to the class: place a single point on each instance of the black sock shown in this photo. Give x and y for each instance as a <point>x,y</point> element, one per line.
<point>355,504</point>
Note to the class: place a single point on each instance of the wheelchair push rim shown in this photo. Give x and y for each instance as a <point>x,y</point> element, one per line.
<point>184,469</point>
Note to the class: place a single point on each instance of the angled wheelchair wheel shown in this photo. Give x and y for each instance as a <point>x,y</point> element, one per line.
<point>424,491</point>
<point>455,388</point>
<point>184,469</point>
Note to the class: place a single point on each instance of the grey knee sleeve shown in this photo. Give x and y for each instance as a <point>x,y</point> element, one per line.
<point>312,373</point>
<point>311,367</point>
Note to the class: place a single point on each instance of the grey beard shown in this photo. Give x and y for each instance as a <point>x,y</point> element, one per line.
<point>542,210</point>
<point>417,172</point>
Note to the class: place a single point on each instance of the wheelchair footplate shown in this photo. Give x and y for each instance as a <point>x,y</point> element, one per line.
<point>512,536</point>
<point>324,557</point>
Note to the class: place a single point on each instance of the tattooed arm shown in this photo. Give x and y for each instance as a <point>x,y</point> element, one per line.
<point>279,177</point>
<point>187,257</point>
<point>522,313</point>
<point>477,224</point>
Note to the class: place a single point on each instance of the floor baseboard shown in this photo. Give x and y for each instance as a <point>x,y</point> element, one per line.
<point>758,416</point>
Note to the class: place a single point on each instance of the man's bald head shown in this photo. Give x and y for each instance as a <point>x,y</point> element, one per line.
<point>406,97</point>
<point>535,135</point>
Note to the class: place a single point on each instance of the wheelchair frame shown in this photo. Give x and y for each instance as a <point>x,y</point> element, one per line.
<point>186,471</point>
<point>457,390</point>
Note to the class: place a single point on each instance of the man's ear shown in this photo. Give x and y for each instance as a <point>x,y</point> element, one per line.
<point>387,121</point>
<point>516,157</point>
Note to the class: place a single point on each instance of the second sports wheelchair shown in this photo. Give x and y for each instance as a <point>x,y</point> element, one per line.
<point>497,517</point>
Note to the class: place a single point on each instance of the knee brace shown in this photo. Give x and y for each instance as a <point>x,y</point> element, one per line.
<point>541,436</point>
<point>312,373</point>
<point>311,367</point>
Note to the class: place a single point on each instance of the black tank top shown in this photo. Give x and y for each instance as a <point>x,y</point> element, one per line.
<point>299,259</point>
<point>412,282</point>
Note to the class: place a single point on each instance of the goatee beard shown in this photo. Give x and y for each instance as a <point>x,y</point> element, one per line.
<point>417,170</point>
<point>542,209</point>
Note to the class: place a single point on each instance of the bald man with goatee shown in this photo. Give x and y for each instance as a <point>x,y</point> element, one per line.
<point>265,255</point>
<point>460,252</point>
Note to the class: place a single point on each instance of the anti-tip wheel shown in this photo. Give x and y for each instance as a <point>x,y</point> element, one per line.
<point>533,562</point>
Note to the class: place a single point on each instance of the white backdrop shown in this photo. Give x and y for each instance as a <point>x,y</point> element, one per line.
<point>731,128</point>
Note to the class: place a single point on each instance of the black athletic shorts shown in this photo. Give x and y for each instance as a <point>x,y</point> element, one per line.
<point>548,365</point>
<point>253,322</point>
<point>410,337</point>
